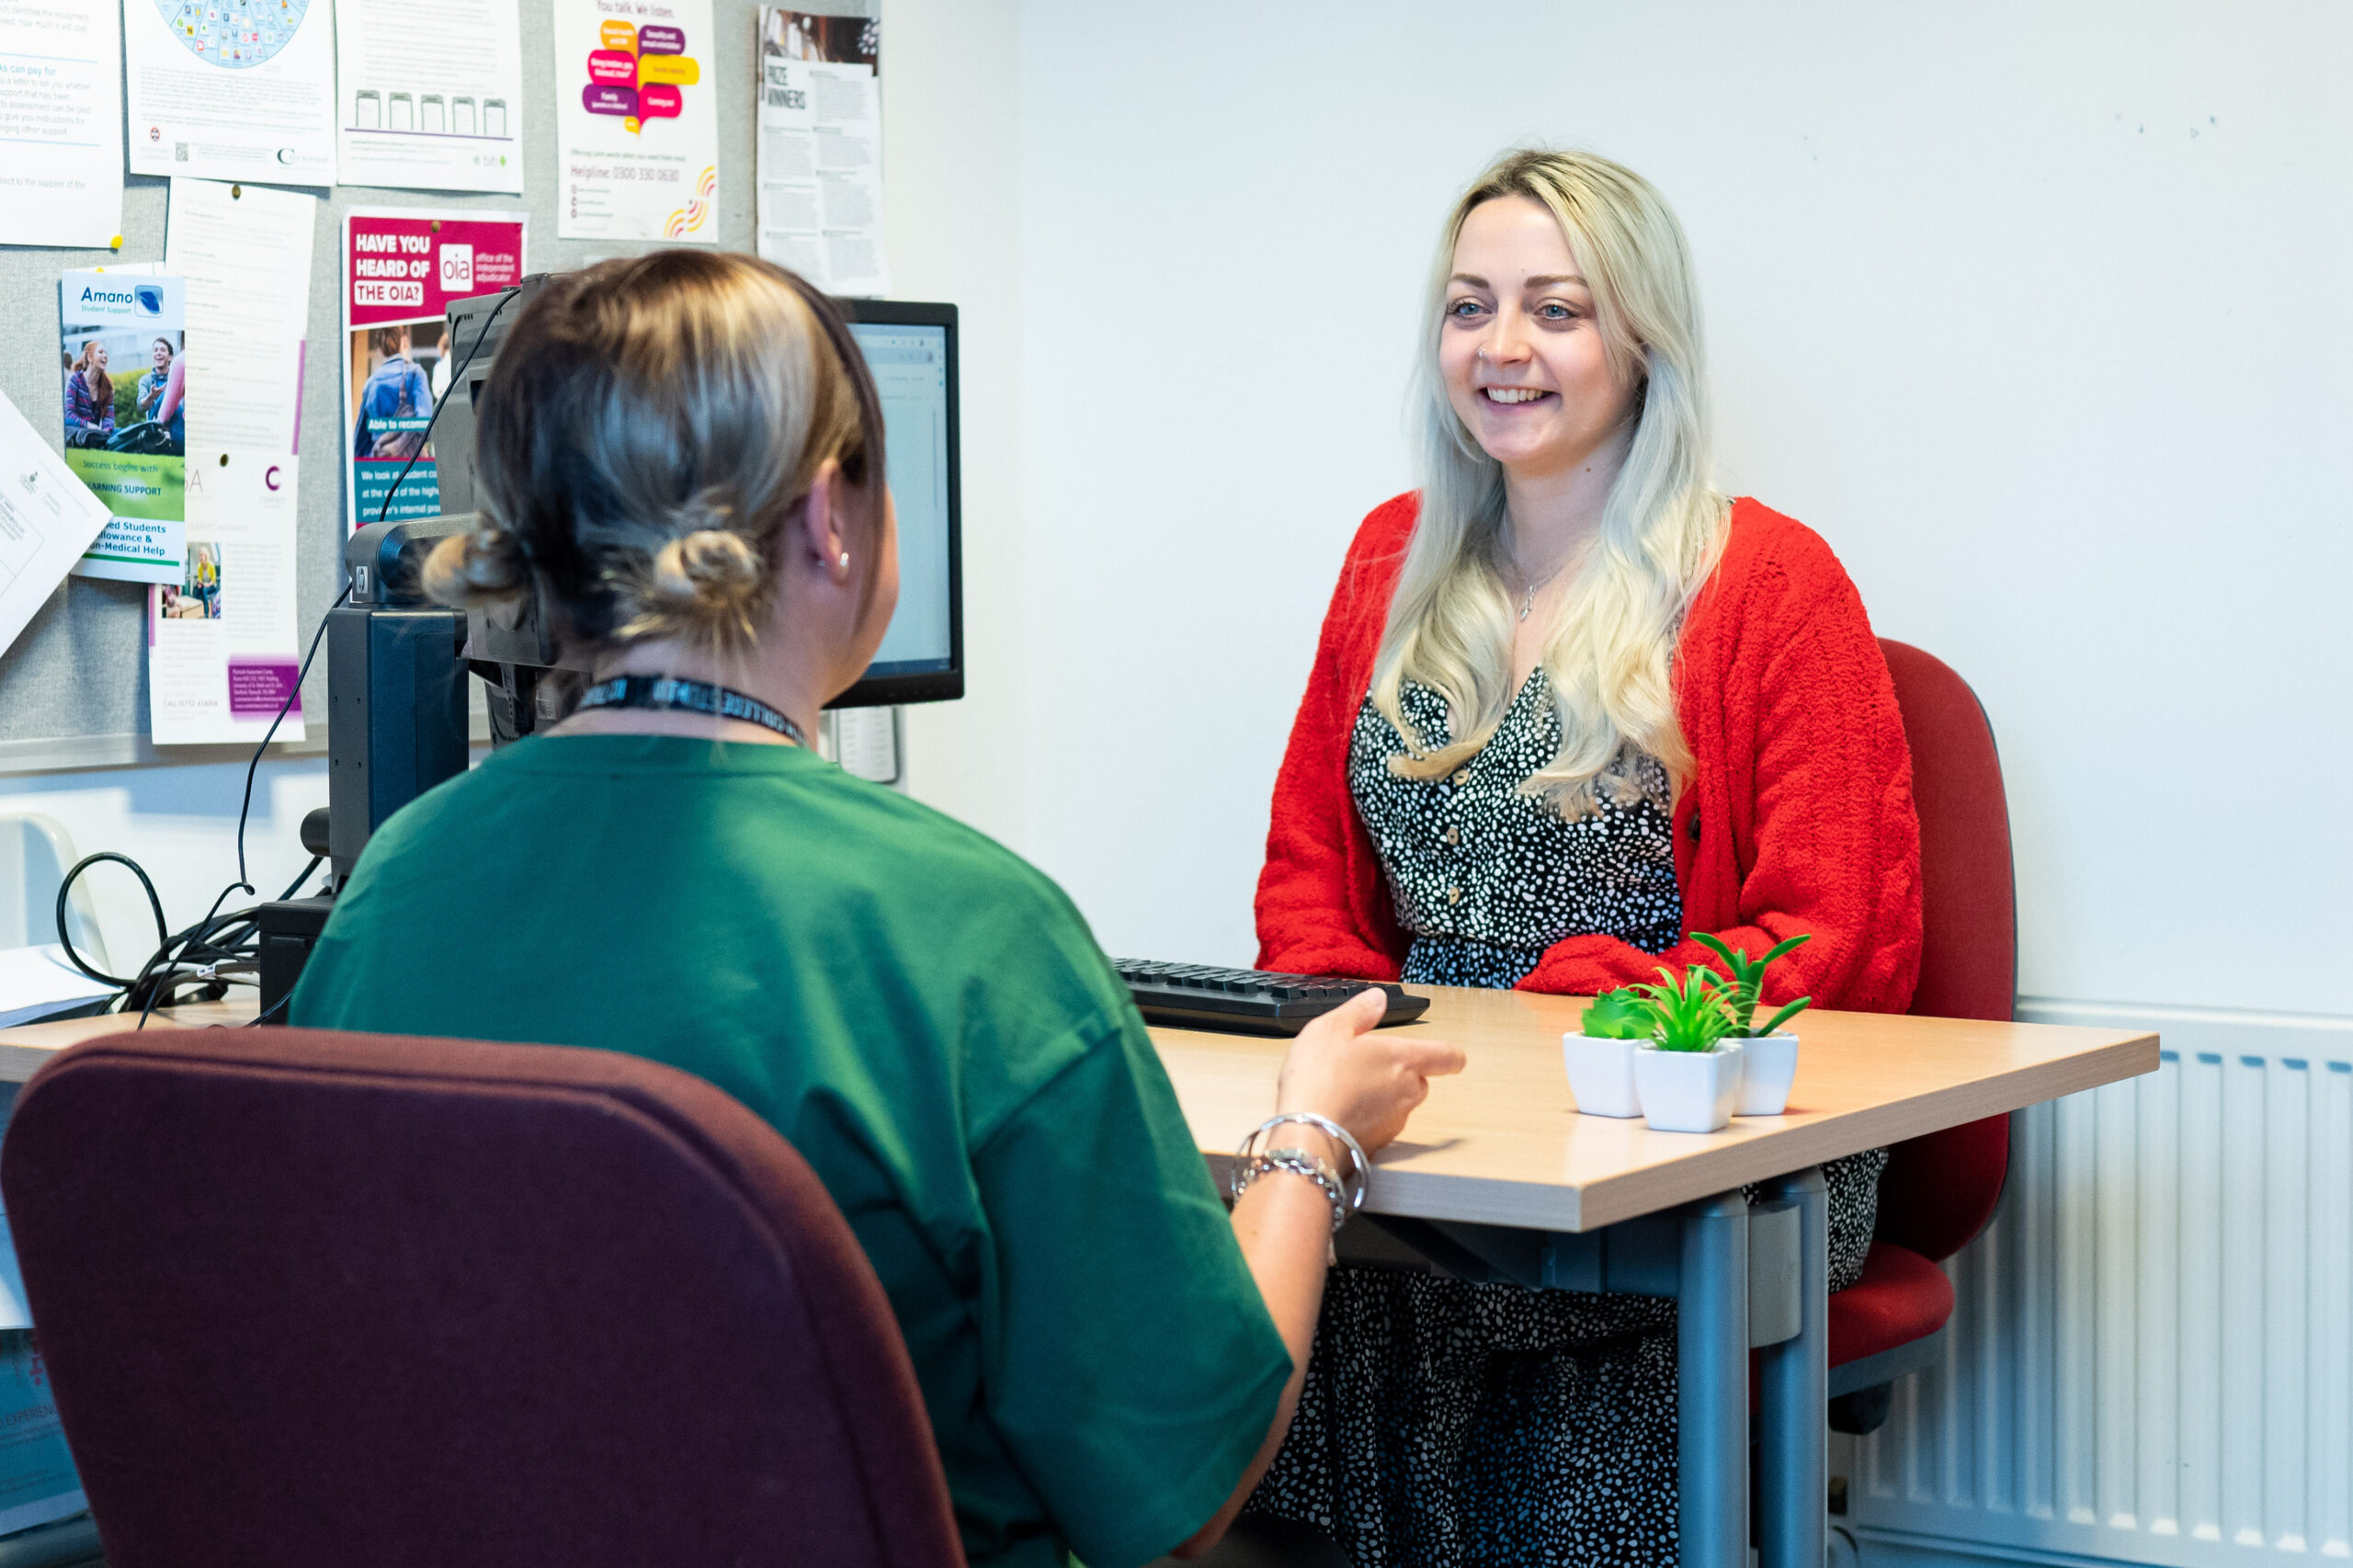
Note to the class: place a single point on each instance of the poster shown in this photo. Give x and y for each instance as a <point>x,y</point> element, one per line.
<point>819,163</point>
<point>224,649</point>
<point>121,339</point>
<point>429,98</point>
<point>231,89</point>
<point>61,112</point>
<point>47,518</point>
<point>401,269</point>
<point>246,253</point>
<point>637,122</point>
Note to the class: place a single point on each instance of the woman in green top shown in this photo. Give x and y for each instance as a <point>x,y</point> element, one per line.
<point>682,455</point>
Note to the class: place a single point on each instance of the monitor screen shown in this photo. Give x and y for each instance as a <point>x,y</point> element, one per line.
<point>911,350</point>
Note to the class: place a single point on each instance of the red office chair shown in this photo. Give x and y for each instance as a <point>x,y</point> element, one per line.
<point>1940,1190</point>
<point>314,1298</point>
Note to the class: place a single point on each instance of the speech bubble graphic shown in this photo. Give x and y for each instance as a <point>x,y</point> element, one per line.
<point>658,40</point>
<point>599,98</point>
<point>618,35</point>
<point>612,68</point>
<point>682,70</point>
<point>659,103</point>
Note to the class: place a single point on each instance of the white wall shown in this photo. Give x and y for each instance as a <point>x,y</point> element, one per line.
<point>2039,316</point>
<point>2038,313</point>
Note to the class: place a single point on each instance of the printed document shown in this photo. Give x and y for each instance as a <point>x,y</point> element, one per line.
<point>429,93</point>
<point>223,648</point>
<point>47,518</point>
<point>231,89</point>
<point>636,121</point>
<point>126,418</point>
<point>60,117</point>
<point>819,163</point>
<point>246,253</point>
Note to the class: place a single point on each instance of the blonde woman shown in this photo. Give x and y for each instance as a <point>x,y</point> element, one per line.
<point>1569,705</point>
<point>683,455</point>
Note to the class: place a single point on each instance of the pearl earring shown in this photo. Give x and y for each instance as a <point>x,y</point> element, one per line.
<point>841,562</point>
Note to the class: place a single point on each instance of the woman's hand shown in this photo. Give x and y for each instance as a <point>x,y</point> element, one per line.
<point>1368,1083</point>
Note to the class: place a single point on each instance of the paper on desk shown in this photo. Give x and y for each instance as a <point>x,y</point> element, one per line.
<point>37,982</point>
<point>47,518</point>
<point>245,252</point>
<point>231,90</point>
<point>429,98</point>
<point>223,644</point>
<point>60,111</point>
<point>819,161</point>
<point>121,334</point>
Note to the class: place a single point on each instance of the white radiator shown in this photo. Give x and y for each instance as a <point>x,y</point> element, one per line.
<point>2151,1359</point>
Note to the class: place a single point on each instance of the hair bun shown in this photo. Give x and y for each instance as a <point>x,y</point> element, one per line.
<point>714,568</point>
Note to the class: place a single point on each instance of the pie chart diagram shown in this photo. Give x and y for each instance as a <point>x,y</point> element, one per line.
<point>234,34</point>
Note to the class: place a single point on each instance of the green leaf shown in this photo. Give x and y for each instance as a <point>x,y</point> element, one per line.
<point>1617,1015</point>
<point>1785,1015</point>
<point>1799,940</point>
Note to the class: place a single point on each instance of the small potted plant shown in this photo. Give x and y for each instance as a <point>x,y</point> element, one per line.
<point>1600,1057</point>
<point>1688,1073</point>
<point>1769,1054</point>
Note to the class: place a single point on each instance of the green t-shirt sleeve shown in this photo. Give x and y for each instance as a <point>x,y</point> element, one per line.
<point>1132,1364</point>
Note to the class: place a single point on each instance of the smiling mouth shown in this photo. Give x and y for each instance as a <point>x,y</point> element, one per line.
<point>1510,396</point>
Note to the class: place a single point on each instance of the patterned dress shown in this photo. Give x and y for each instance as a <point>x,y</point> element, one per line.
<point>1448,1425</point>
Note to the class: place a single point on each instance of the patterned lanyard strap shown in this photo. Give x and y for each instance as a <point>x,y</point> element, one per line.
<point>690,697</point>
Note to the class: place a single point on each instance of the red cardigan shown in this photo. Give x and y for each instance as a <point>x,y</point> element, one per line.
<point>1799,816</point>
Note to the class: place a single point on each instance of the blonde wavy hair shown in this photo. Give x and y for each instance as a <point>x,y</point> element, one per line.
<point>652,425</point>
<point>1609,650</point>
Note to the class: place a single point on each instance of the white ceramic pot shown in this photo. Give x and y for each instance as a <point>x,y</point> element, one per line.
<point>1687,1091</point>
<point>1767,1063</point>
<point>1601,1074</point>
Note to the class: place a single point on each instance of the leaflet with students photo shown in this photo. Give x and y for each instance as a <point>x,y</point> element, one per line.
<point>125,381</point>
<point>231,89</point>
<point>637,120</point>
<point>223,649</point>
<point>60,111</point>
<point>429,96</point>
<point>819,161</point>
<point>401,268</point>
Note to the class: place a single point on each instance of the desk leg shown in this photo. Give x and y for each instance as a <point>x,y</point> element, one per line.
<point>1712,1384</point>
<point>1794,1390</point>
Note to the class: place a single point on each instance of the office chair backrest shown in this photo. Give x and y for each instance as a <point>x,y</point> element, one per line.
<point>311,1298</point>
<point>35,854</point>
<point>1940,1190</point>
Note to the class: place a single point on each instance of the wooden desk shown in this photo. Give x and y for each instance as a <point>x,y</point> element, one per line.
<point>1499,1177</point>
<point>26,1047</point>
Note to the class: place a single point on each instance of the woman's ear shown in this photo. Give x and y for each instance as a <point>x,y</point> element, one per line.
<point>823,532</point>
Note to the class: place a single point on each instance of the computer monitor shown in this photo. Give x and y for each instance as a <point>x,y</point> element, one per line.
<point>911,349</point>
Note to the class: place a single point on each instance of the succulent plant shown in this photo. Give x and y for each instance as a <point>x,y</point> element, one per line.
<point>1747,986</point>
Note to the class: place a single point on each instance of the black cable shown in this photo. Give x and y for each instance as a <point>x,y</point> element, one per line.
<point>479,338</point>
<point>64,888</point>
<point>283,709</point>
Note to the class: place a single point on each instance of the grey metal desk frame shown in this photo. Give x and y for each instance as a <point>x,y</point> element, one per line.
<point>1744,1276</point>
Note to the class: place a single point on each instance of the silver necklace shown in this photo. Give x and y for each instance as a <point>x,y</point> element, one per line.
<point>1528,600</point>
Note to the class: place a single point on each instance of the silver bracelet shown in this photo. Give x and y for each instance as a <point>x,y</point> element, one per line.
<point>1359,1168</point>
<point>1299,1163</point>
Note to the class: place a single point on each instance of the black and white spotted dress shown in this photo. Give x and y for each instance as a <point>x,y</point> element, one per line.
<point>1447,1425</point>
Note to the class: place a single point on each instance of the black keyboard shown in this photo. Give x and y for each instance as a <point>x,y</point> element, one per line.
<point>1248,1000</point>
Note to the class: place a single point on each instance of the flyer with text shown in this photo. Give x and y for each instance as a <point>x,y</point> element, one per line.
<point>61,95</point>
<point>430,100</point>
<point>224,649</point>
<point>819,161</point>
<point>637,120</point>
<point>122,343</point>
<point>401,269</point>
<point>231,89</point>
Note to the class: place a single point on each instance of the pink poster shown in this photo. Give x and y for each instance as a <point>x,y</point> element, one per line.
<point>401,271</point>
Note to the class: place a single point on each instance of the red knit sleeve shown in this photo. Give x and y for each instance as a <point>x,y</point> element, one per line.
<point>1830,844</point>
<point>1321,909</point>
